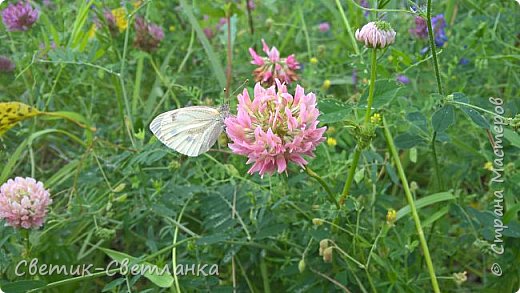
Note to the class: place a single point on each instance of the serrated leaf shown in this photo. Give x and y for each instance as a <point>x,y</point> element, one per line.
<point>443,118</point>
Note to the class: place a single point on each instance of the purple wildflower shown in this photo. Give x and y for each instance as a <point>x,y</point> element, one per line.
<point>421,28</point>
<point>111,22</point>
<point>19,17</point>
<point>209,33</point>
<point>324,27</point>
<point>464,61</point>
<point>6,65</point>
<point>401,78</point>
<point>221,22</point>
<point>365,4</point>
<point>439,25</point>
<point>251,5</point>
<point>147,35</point>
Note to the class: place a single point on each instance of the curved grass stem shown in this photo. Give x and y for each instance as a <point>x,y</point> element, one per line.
<point>320,180</point>
<point>411,203</point>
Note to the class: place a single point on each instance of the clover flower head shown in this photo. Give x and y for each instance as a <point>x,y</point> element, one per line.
<point>376,34</point>
<point>24,202</point>
<point>273,67</point>
<point>6,65</point>
<point>19,17</point>
<point>147,35</point>
<point>324,27</point>
<point>275,128</point>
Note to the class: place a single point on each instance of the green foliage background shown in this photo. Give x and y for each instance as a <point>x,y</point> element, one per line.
<point>118,188</point>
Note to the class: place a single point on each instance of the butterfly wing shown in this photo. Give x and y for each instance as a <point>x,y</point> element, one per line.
<point>190,131</point>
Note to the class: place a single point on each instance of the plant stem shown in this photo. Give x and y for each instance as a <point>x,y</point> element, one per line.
<point>439,88</point>
<point>411,203</point>
<point>26,242</point>
<point>229,53</point>
<point>370,100</point>
<point>432,47</point>
<point>373,71</point>
<point>250,18</point>
<point>351,172</point>
<point>174,248</point>
<point>347,26</point>
<point>440,182</point>
<point>320,180</point>
<point>137,85</point>
<point>129,121</point>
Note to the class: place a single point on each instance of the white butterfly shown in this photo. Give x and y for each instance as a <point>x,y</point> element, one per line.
<point>192,130</point>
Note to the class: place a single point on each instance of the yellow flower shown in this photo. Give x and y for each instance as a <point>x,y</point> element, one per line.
<point>331,141</point>
<point>172,28</point>
<point>314,60</point>
<point>120,17</point>
<point>317,221</point>
<point>391,217</point>
<point>376,118</point>
<point>488,166</point>
<point>92,31</point>
<point>137,3</point>
<point>460,278</point>
<point>326,84</point>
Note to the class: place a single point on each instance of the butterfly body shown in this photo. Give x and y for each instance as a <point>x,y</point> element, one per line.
<point>191,130</point>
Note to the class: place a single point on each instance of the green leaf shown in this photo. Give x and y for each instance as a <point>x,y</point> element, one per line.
<point>333,111</point>
<point>512,136</point>
<point>164,281</point>
<point>476,117</point>
<point>22,286</point>
<point>218,70</point>
<point>443,118</point>
<point>437,215</point>
<point>418,120</point>
<point>386,90</point>
<point>407,140</point>
<point>426,201</point>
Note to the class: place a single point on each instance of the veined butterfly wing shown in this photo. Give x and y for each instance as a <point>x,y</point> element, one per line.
<point>190,131</point>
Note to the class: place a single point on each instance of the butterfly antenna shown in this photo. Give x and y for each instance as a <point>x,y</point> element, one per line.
<point>239,87</point>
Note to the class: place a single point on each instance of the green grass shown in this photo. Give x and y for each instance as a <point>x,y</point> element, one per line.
<point>118,192</point>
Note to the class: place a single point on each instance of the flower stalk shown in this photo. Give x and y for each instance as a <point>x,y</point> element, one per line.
<point>411,203</point>
<point>440,183</point>
<point>370,101</point>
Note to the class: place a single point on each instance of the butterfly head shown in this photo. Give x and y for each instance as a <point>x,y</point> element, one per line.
<point>224,111</point>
